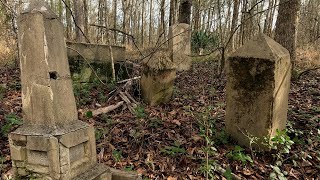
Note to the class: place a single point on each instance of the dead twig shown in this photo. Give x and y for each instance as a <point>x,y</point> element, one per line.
<point>131,79</point>
<point>222,171</point>
<point>306,71</point>
<point>131,106</point>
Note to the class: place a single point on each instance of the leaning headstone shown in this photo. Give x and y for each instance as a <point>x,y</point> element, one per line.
<point>258,82</point>
<point>52,143</point>
<point>180,45</point>
<point>158,78</point>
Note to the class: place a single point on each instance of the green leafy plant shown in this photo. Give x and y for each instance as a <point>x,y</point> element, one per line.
<point>129,168</point>
<point>99,133</point>
<point>82,93</point>
<point>140,112</point>
<point>2,160</point>
<point>107,119</point>
<point>222,138</point>
<point>3,90</point>
<point>294,133</point>
<point>155,122</point>
<point>11,121</point>
<point>89,114</point>
<point>208,168</point>
<point>281,142</point>
<point>203,40</point>
<point>173,150</point>
<point>277,173</point>
<point>102,97</point>
<point>116,155</point>
<point>238,154</point>
<point>207,131</point>
<point>228,174</point>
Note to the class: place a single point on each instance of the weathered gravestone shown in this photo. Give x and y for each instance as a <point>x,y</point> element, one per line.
<point>158,77</point>
<point>52,143</point>
<point>180,45</point>
<point>258,82</point>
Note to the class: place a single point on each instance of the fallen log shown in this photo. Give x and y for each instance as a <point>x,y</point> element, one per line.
<point>105,110</point>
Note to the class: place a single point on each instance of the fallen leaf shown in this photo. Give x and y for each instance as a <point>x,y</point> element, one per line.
<point>177,122</point>
<point>172,178</point>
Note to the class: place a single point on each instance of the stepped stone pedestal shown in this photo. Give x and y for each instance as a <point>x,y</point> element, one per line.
<point>180,45</point>
<point>258,81</point>
<point>52,143</point>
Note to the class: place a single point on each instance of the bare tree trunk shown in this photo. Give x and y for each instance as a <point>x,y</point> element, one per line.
<point>142,23</point>
<point>172,16</point>
<point>125,7</point>
<point>68,19</point>
<point>271,18</point>
<point>150,23</point>
<point>196,15</point>
<point>115,6</point>
<point>235,15</point>
<point>86,18</point>
<point>60,8</point>
<point>162,25</point>
<point>100,20</point>
<point>79,19</point>
<point>185,11</point>
<point>286,25</point>
<point>106,19</point>
<point>209,21</point>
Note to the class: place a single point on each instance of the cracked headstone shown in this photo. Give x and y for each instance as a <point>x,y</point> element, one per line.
<point>258,82</point>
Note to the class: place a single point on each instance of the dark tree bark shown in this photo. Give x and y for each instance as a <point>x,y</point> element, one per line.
<point>115,6</point>
<point>79,18</point>
<point>185,11</point>
<point>196,17</point>
<point>68,19</point>
<point>172,16</point>
<point>234,22</point>
<point>287,25</point>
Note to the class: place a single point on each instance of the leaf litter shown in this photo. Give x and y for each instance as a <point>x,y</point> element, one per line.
<point>165,142</point>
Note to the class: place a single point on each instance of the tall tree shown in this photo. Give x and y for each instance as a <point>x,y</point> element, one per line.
<point>287,25</point>
<point>185,11</point>
<point>235,16</point>
<point>162,23</point>
<point>68,19</point>
<point>172,15</point>
<point>196,14</point>
<point>125,8</point>
<point>115,7</point>
<point>151,23</point>
<point>79,19</point>
<point>142,22</point>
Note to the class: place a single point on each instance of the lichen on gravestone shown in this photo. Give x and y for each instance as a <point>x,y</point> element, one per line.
<point>258,81</point>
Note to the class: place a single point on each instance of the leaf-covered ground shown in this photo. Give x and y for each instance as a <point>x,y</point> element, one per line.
<point>185,138</point>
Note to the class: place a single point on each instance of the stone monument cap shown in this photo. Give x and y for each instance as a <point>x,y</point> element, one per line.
<point>42,7</point>
<point>261,46</point>
<point>159,60</point>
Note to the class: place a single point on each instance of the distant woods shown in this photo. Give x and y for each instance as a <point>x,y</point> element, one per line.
<point>223,23</point>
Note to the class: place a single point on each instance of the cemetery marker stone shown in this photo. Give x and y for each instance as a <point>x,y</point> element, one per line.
<point>180,45</point>
<point>52,143</point>
<point>258,82</point>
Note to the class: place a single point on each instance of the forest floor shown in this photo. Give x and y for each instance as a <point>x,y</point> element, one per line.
<point>185,139</point>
